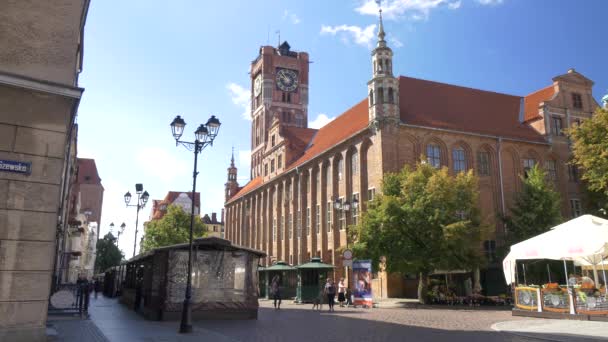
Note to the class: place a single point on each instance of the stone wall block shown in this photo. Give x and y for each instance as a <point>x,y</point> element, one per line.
<point>3,193</point>
<point>7,137</point>
<point>44,170</point>
<point>26,255</point>
<point>19,225</point>
<point>34,109</point>
<point>40,142</point>
<point>24,286</point>
<point>32,196</point>
<point>23,314</point>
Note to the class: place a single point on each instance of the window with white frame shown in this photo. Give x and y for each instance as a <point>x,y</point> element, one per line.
<point>307,221</point>
<point>433,155</point>
<point>371,194</point>
<point>318,219</point>
<point>355,209</point>
<point>328,216</point>
<point>458,158</point>
<point>551,168</point>
<point>575,208</point>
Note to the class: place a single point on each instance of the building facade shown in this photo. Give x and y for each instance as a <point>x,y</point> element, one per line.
<point>214,227</point>
<point>180,199</point>
<point>288,208</point>
<point>41,53</point>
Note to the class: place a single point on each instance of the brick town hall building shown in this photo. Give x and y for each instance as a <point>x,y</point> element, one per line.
<point>298,173</point>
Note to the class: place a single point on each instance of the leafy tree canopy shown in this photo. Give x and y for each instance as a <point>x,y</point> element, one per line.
<point>424,220</point>
<point>536,208</point>
<point>108,254</point>
<point>590,150</point>
<point>172,229</point>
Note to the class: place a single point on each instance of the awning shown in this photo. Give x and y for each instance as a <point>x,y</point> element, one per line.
<point>315,263</point>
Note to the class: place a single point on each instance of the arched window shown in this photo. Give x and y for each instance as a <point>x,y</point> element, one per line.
<point>371,97</point>
<point>433,155</point>
<point>459,160</point>
<point>391,95</point>
<point>380,95</point>
<point>340,168</point>
<point>354,163</point>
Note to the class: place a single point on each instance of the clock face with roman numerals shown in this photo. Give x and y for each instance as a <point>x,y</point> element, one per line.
<point>287,80</point>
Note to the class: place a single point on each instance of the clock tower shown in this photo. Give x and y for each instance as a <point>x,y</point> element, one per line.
<point>279,89</point>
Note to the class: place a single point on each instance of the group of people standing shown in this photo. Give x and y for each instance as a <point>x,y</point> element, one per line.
<point>327,292</point>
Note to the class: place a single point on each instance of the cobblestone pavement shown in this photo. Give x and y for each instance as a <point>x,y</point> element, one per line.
<point>295,323</point>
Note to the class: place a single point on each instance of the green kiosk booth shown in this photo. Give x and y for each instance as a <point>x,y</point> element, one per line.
<point>288,279</point>
<point>311,277</point>
<point>262,281</point>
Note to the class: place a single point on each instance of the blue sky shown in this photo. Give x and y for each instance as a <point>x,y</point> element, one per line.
<point>147,61</point>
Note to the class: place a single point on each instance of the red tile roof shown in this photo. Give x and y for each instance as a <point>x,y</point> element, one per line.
<point>533,100</point>
<point>440,105</point>
<point>424,103</point>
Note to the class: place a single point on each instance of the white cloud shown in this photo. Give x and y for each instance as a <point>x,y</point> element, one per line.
<point>162,164</point>
<point>490,2</point>
<point>412,9</point>
<point>242,98</point>
<point>361,36</point>
<point>292,17</point>
<point>320,121</point>
<point>395,42</point>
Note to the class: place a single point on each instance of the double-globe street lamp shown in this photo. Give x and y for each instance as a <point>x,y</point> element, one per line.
<point>142,199</point>
<point>203,136</point>
<point>120,231</point>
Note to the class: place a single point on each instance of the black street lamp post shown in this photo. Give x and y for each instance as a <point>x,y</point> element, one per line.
<point>203,136</point>
<point>122,230</point>
<point>345,207</point>
<point>142,199</point>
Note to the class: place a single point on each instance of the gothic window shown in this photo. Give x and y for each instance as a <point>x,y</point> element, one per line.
<point>391,95</point>
<point>274,229</point>
<point>354,163</point>
<point>380,95</point>
<point>528,165</point>
<point>290,225</point>
<point>328,176</point>
<point>307,221</point>
<point>459,160</point>
<point>483,163</point>
<point>340,168</point>
<point>551,167</point>
<point>433,155</point>
<point>577,100</point>
<point>355,209</point>
<point>371,97</point>
<point>342,217</point>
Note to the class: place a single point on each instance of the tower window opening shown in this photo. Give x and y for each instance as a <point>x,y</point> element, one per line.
<point>380,95</point>
<point>371,97</point>
<point>391,95</point>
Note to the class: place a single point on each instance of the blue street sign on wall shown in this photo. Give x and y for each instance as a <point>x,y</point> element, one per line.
<point>16,166</point>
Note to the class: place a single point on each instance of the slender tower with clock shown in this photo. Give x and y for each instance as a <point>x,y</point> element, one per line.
<point>279,89</point>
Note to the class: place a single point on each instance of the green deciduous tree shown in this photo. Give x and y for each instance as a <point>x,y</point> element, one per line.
<point>536,208</point>
<point>424,220</point>
<point>590,150</point>
<point>107,254</point>
<point>173,228</point>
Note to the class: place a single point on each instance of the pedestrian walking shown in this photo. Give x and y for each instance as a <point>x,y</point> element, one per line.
<point>83,293</point>
<point>341,292</point>
<point>349,297</point>
<point>97,287</point>
<point>275,291</point>
<point>330,292</point>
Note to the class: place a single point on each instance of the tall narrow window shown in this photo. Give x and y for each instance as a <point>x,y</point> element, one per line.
<point>280,161</point>
<point>288,97</point>
<point>281,225</point>
<point>299,225</point>
<point>272,140</point>
<point>318,219</point>
<point>265,169</point>
<point>433,155</point>
<point>572,173</point>
<point>551,168</point>
<point>458,157</point>
<point>274,229</point>
<point>557,125</point>
<point>290,225</point>
<point>328,175</point>
<point>354,163</point>
<point>271,165</point>
<point>391,95</point>
<point>371,97</point>
<point>577,100</point>
<point>528,165</point>
<point>380,96</point>
<point>355,209</point>
<point>483,163</point>
<point>489,247</point>
<point>341,216</point>
<point>575,208</point>
<point>328,216</point>
<point>340,168</point>
<point>307,221</point>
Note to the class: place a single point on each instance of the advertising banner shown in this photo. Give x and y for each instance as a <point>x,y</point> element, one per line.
<point>362,278</point>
